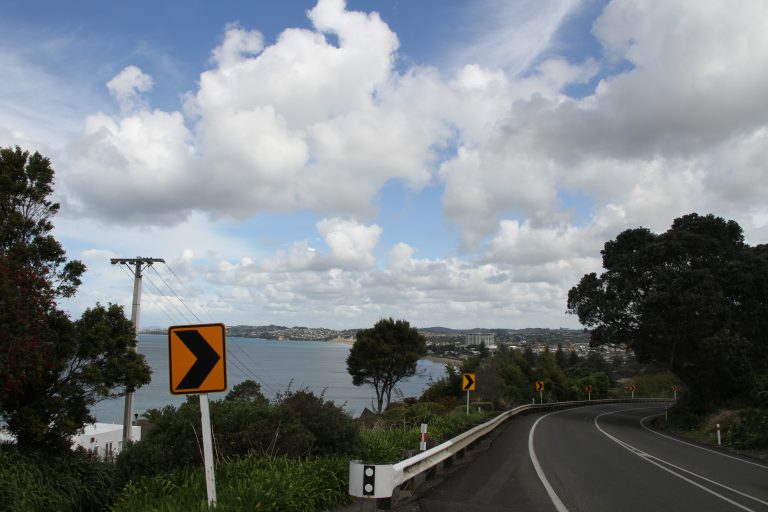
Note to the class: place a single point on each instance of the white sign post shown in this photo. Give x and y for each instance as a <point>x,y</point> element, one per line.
<point>210,479</point>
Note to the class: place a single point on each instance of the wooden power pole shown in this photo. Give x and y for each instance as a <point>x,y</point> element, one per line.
<point>136,265</point>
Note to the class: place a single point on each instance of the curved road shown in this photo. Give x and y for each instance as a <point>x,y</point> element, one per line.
<point>600,458</point>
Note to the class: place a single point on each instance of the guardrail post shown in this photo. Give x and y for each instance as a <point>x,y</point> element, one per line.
<point>371,480</point>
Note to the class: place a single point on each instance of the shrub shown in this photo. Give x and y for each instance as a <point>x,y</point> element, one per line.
<point>751,429</point>
<point>298,424</point>
<point>334,431</point>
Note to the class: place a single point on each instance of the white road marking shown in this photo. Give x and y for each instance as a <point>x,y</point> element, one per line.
<point>550,491</point>
<point>648,457</point>
<point>697,446</point>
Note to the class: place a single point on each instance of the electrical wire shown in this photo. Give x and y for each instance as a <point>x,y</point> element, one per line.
<point>160,292</point>
<point>172,318</point>
<point>175,294</point>
<point>232,353</point>
<point>236,348</point>
<point>186,289</point>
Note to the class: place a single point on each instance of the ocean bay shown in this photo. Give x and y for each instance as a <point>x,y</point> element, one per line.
<point>317,365</point>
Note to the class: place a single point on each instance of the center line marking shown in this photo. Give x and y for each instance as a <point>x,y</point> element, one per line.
<point>648,457</point>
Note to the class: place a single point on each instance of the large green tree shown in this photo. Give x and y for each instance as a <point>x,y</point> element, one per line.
<point>693,299</point>
<point>384,355</point>
<point>52,369</point>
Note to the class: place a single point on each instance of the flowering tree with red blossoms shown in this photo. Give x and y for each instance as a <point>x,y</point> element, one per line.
<point>52,369</point>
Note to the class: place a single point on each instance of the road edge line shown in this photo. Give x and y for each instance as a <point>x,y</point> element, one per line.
<point>540,472</point>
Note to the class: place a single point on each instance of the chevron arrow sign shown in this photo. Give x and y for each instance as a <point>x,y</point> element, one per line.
<point>197,358</point>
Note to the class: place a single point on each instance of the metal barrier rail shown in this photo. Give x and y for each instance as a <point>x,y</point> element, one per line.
<point>380,480</point>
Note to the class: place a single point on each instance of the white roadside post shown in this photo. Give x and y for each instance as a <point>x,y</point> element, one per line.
<point>423,441</point>
<point>210,478</point>
<point>718,435</point>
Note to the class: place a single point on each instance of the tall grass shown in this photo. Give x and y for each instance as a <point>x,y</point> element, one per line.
<point>41,482</point>
<point>249,484</point>
<point>258,483</point>
<point>385,444</point>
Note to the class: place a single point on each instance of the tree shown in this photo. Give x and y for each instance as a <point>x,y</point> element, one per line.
<point>248,390</point>
<point>560,357</point>
<point>693,300</point>
<point>384,355</point>
<point>52,369</point>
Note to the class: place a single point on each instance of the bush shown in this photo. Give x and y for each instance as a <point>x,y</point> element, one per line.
<point>334,431</point>
<point>751,429</point>
<point>657,384</point>
<point>33,481</point>
<point>298,424</point>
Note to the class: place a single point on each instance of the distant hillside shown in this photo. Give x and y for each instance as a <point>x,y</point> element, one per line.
<point>281,332</point>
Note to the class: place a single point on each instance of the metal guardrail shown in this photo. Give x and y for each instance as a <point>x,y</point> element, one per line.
<point>380,480</point>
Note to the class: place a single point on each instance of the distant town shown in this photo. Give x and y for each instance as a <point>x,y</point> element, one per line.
<point>441,341</point>
<point>433,334</point>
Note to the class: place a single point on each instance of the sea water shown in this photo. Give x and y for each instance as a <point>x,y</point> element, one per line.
<point>320,366</point>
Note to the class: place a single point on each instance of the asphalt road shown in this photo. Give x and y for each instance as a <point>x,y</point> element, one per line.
<point>600,458</point>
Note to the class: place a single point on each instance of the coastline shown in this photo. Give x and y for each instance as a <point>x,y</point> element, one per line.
<point>444,360</point>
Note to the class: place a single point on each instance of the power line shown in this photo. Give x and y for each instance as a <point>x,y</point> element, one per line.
<point>168,300</point>
<point>176,294</point>
<point>189,293</point>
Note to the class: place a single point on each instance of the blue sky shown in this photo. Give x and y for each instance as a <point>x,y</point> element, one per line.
<point>456,163</point>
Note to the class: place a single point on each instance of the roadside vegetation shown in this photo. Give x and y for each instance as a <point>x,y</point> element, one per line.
<point>692,301</point>
<point>689,304</point>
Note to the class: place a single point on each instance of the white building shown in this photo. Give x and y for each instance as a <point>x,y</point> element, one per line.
<point>480,338</point>
<point>105,439</point>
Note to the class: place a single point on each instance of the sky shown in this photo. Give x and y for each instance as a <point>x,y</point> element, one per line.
<point>330,163</point>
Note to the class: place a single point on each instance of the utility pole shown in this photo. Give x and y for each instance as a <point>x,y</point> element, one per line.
<point>138,264</point>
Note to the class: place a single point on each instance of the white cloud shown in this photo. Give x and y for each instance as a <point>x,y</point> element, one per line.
<point>136,169</point>
<point>512,35</point>
<point>533,181</point>
<point>126,86</point>
<point>350,242</point>
<point>237,45</point>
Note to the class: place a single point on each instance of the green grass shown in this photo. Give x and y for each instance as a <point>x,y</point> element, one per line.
<point>248,484</point>
<point>31,482</point>
<point>385,444</point>
<point>76,482</point>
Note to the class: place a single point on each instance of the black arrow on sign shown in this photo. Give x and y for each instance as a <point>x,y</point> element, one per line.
<point>206,359</point>
<point>469,383</point>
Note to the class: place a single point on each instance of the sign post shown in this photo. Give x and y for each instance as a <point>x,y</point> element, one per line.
<point>674,392</point>
<point>588,389</point>
<point>210,478</point>
<point>197,364</point>
<point>632,388</point>
<point>540,389</point>
<point>468,384</point>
